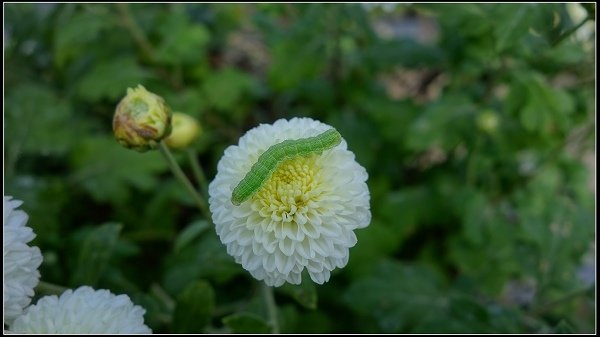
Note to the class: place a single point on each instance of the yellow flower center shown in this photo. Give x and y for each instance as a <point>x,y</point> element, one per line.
<point>289,190</point>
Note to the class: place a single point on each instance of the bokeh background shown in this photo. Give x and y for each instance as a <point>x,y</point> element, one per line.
<point>475,122</point>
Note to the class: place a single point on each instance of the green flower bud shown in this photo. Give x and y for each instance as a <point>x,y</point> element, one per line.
<point>142,119</point>
<point>488,121</point>
<point>185,130</point>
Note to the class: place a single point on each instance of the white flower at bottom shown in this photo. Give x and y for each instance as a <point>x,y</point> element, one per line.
<point>303,216</point>
<point>83,311</point>
<point>21,261</point>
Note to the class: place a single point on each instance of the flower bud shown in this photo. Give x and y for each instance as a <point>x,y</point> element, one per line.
<point>142,119</point>
<point>488,121</point>
<point>185,130</point>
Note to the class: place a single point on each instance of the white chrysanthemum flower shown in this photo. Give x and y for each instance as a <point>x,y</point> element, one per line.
<point>21,261</point>
<point>83,311</point>
<point>302,217</point>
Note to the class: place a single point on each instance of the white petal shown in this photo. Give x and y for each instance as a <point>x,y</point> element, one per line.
<point>318,277</point>
<point>300,219</point>
<point>319,247</point>
<point>21,261</point>
<point>294,278</point>
<point>287,246</point>
<point>310,230</point>
<point>303,249</point>
<point>269,263</point>
<point>253,262</point>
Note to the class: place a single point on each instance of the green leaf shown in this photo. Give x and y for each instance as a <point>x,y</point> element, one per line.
<point>442,123</point>
<point>244,322</point>
<point>545,108</point>
<point>393,118</point>
<point>476,216</point>
<point>467,19</point>
<point>189,233</point>
<point>563,327</point>
<point>304,293</point>
<point>159,216</point>
<point>182,42</point>
<point>288,318</point>
<point>75,33</point>
<point>206,258</point>
<point>408,53</point>
<point>108,171</point>
<point>95,252</point>
<point>194,308</point>
<point>533,116</point>
<point>411,298</point>
<point>157,311</point>
<point>226,88</point>
<point>512,23</point>
<point>465,314</point>
<point>293,61</point>
<point>321,322</point>
<point>360,135</point>
<point>396,296</point>
<point>43,200</point>
<point>485,230</point>
<point>187,101</point>
<point>110,79</point>
<point>34,113</point>
<point>375,242</point>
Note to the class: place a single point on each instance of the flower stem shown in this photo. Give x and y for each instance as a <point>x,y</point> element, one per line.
<point>570,31</point>
<point>142,41</point>
<point>176,169</point>
<point>198,172</point>
<point>157,290</point>
<point>49,288</point>
<point>271,308</point>
<point>471,164</point>
<point>568,297</point>
<point>136,32</point>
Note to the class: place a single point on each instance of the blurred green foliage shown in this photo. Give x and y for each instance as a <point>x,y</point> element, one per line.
<point>471,119</point>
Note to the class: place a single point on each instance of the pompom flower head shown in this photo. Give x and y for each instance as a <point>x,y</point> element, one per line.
<point>21,261</point>
<point>83,311</point>
<point>302,217</point>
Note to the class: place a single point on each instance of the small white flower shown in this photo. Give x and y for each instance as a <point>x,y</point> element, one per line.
<point>83,311</point>
<point>302,217</point>
<point>21,261</point>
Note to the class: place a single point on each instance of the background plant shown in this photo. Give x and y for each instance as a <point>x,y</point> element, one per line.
<point>473,121</point>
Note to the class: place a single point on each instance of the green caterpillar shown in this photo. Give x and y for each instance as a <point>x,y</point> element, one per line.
<point>266,164</point>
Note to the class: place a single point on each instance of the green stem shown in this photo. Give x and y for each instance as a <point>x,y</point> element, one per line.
<point>176,169</point>
<point>471,164</point>
<point>163,295</point>
<point>198,172</point>
<point>144,44</point>
<point>568,297</point>
<point>271,307</point>
<point>12,155</point>
<point>49,288</point>
<point>569,32</point>
<point>225,309</point>
<point>136,32</point>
